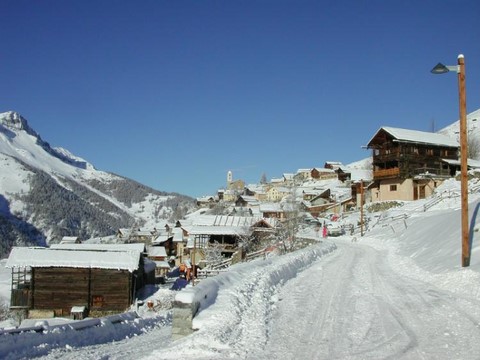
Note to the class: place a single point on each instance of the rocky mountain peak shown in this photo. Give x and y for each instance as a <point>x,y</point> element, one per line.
<point>14,121</point>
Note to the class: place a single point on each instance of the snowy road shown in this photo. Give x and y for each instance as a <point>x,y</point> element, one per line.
<point>325,302</point>
<point>361,309</point>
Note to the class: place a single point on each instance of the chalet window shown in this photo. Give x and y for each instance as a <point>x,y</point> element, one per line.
<point>393,187</point>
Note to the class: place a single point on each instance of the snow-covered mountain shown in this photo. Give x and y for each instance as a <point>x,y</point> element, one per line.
<point>47,193</point>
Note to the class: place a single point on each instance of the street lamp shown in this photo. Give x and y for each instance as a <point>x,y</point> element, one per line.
<point>460,69</point>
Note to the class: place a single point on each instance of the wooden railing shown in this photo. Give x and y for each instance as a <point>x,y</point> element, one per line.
<point>386,173</point>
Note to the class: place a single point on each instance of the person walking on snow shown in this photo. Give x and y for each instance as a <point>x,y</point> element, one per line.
<point>324,230</point>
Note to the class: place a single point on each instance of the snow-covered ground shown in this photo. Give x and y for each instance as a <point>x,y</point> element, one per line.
<point>398,292</point>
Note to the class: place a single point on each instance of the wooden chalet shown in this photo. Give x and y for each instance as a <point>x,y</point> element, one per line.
<point>143,236</point>
<point>272,211</point>
<point>322,174</point>
<point>264,228</point>
<point>59,281</point>
<point>315,174</point>
<point>410,164</point>
<point>246,201</point>
<point>309,194</point>
<point>206,201</point>
<point>256,191</point>
<point>221,229</point>
<point>169,238</point>
<point>343,174</point>
<point>334,165</point>
<point>159,256</point>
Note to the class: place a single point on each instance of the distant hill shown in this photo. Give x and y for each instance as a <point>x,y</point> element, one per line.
<point>47,193</point>
<point>473,133</point>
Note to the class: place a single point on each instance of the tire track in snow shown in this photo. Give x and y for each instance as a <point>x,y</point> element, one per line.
<point>352,305</point>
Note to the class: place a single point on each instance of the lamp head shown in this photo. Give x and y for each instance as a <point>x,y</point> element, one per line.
<point>440,69</point>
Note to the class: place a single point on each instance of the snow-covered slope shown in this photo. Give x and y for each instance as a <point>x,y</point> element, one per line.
<point>473,124</point>
<point>54,193</point>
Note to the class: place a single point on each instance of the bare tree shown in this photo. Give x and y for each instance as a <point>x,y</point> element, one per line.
<point>287,233</point>
<point>213,253</point>
<point>473,147</point>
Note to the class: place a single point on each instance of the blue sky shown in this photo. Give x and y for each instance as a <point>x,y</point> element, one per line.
<point>174,94</point>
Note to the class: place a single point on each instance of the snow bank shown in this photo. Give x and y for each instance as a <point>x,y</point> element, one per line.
<point>207,290</point>
<point>248,292</point>
<point>39,338</point>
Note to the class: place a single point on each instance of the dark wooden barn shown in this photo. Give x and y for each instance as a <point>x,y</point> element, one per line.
<point>55,281</point>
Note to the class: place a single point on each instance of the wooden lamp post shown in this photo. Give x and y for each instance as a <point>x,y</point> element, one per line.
<point>460,69</point>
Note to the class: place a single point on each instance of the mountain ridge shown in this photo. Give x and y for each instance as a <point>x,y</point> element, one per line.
<point>47,193</point>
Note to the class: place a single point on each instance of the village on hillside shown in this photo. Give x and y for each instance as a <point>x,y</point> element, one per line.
<point>100,277</point>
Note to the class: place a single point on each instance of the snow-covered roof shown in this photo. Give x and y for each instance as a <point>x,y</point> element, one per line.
<point>324,170</point>
<point>416,136</point>
<point>470,163</point>
<point>125,231</point>
<point>69,239</point>
<point>222,220</point>
<point>252,200</point>
<point>162,264</point>
<point>162,237</point>
<point>205,198</point>
<point>140,247</point>
<point>90,259</point>
<point>142,233</point>
<point>217,230</point>
<point>157,251</point>
<point>334,163</point>
<point>314,191</point>
<point>473,163</point>
<point>273,222</point>
<point>255,187</point>
<point>271,207</point>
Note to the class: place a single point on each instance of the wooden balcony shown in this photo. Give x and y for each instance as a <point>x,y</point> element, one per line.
<point>386,173</point>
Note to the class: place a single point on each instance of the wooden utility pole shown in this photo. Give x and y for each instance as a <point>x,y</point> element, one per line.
<point>361,207</point>
<point>460,69</point>
<point>463,161</point>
